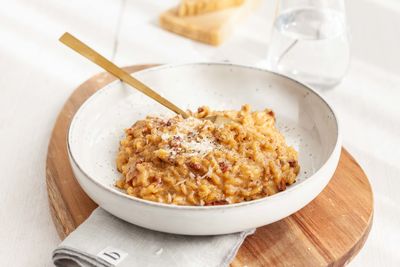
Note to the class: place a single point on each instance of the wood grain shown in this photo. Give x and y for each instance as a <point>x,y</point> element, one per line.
<point>328,232</point>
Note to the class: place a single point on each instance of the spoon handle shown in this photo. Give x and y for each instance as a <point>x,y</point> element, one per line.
<point>110,67</point>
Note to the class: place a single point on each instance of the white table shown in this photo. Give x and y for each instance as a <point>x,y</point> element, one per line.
<point>37,74</point>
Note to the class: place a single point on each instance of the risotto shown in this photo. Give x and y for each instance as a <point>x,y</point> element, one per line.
<point>211,158</point>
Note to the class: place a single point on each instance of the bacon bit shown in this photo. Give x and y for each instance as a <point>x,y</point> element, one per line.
<point>140,161</point>
<point>154,179</point>
<point>194,166</point>
<point>190,136</point>
<point>292,163</point>
<point>224,167</point>
<point>146,131</point>
<point>217,203</point>
<point>271,113</point>
<point>200,109</point>
<point>175,142</point>
<point>171,160</point>
<point>282,185</point>
<point>169,123</point>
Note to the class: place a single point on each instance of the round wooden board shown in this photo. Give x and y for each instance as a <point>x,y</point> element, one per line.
<point>327,232</point>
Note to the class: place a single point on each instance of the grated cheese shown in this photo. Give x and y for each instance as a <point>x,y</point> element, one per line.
<point>187,145</point>
<point>165,136</point>
<point>209,172</point>
<point>202,147</point>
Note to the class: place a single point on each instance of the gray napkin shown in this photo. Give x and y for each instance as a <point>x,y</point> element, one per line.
<point>104,240</point>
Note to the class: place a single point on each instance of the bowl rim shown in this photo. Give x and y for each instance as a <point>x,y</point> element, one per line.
<point>116,192</point>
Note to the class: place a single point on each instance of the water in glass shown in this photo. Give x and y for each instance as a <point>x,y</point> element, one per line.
<point>311,45</point>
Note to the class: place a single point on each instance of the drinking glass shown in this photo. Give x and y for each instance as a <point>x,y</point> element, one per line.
<point>309,41</point>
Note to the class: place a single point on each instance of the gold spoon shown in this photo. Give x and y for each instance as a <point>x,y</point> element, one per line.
<point>110,67</point>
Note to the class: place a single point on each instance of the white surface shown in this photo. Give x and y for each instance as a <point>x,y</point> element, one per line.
<point>98,126</point>
<point>38,74</point>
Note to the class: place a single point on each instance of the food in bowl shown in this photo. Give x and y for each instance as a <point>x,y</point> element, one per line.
<point>210,158</point>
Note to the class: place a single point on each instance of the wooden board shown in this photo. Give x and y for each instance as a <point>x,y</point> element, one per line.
<point>327,232</point>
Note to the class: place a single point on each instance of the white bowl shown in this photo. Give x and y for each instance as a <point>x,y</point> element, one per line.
<point>304,117</point>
